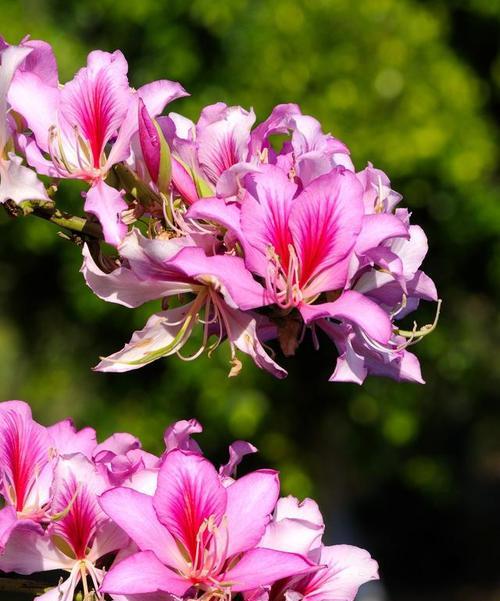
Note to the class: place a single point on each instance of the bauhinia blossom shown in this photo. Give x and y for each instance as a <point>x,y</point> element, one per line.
<point>258,243</point>
<point>119,521</point>
<point>17,182</point>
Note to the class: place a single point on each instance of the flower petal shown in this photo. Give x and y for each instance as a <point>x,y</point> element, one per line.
<point>164,334</point>
<point>96,101</point>
<point>325,221</point>
<point>134,513</point>
<point>107,205</point>
<point>223,135</point>
<point>143,573</point>
<point>121,286</point>
<point>347,569</point>
<point>378,228</point>
<point>189,492</point>
<point>260,567</point>
<point>354,308</point>
<point>265,218</point>
<point>11,58</point>
<point>18,183</point>
<point>250,502</point>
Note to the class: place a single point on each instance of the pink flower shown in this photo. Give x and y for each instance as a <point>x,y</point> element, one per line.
<point>74,123</point>
<point>197,534</point>
<point>17,182</point>
<point>78,536</point>
<point>342,569</point>
<point>222,289</point>
<point>27,459</point>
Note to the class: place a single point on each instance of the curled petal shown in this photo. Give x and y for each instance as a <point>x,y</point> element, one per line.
<point>107,205</point>
<point>164,334</point>
<point>354,308</point>
<point>19,183</point>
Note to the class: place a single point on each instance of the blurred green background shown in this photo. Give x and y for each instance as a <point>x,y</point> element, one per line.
<point>411,472</point>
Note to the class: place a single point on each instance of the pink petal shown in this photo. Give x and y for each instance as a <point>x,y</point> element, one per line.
<point>24,453</point>
<point>178,436</point>
<point>217,210</point>
<point>183,182</point>
<point>121,286</point>
<point>296,527</point>
<point>18,183</point>
<point>278,122</point>
<point>134,513</point>
<point>29,550</point>
<point>8,521</point>
<point>11,58</point>
<point>227,274</point>
<point>347,569</point>
<point>265,223</point>
<point>222,142</point>
<point>250,502</point>
<point>107,205</point>
<point>68,440</point>
<point>143,573</point>
<point>150,143</point>
<point>260,567</point>
<point>237,450</point>
<point>378,228</point>
<point>164,334</point>
<point>189,492</point>
<point>355,308</point>
<point>96,101</point>
<point>157,94</point>
<point>243,330</point>
<point>325,221</point>
<point>41,61</point>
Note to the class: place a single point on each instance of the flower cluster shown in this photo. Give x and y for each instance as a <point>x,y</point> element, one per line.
<point>130,526</point>
<point>245,234</point>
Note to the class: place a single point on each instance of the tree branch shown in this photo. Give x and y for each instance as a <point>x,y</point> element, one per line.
<point>47,210</point>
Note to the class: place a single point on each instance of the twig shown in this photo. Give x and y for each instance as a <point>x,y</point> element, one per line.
<point>48,211</point>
